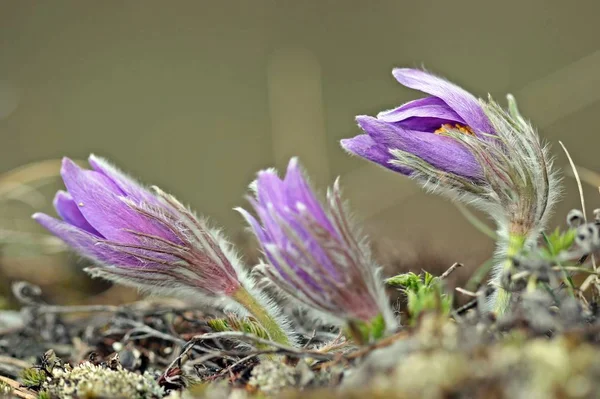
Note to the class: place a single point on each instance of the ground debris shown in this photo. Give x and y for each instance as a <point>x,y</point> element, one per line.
<point>546,345</point>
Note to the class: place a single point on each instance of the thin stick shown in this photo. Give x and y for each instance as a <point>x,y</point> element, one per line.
<point>365,349</point>
<point>576,175</point>
<point>242,336</point>
<point>466,292</point>
<point>17,390</point>
<point>579,187</point>
<point>79,309</point>
<point>451,269</point>
<point>137,326</point>
<point>229,369</point>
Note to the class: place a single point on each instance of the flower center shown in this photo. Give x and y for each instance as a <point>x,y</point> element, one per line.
<point>457,126</point>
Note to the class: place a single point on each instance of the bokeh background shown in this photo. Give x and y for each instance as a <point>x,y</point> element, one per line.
<point>196,96</point>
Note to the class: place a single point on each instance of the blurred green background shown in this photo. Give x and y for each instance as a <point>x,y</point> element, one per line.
<point>196,96</point>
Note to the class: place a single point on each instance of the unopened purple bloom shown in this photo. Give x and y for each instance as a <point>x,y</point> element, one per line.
<point>312,253</point>
<point>137,237</point>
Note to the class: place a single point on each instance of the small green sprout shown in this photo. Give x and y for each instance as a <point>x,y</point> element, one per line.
<point>557,242</point>
<point>423,292</point>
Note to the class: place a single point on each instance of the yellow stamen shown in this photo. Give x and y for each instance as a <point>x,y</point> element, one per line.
<point>457,126</point>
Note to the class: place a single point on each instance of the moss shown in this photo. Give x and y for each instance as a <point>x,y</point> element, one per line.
<point>44,395</point>
<point>32,377</point>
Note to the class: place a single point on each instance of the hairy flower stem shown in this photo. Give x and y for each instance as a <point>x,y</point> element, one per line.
<point>245,298</point>
<point>509,248</point>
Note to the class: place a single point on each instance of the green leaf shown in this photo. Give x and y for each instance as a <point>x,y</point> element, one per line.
<point>558,242</point>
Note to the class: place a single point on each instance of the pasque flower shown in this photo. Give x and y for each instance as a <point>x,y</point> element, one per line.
<point>150,241</point>
<point>313,254</point>
<point>470,150</point>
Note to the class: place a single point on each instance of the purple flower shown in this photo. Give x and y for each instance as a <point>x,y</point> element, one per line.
<point>312,252</point>
<point>137,237</point>
<point>419,126</point>
<point>465,148</point>
<point>469,150</point>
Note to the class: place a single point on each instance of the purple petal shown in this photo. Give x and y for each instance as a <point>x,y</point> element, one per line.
<point>294,262</point>
<point>425,115</point>
<point>277,207</point>
<point>265,241</point>
<point>442,152</point>
<point>68,210</point>
<point>461,101</point>
<point>429,125</point>
<point>85,243</point>
<point>429,107</point>
<point>257,229</point>
<point>270,190</point>
<point>298,191</point>
<point>364,146</point>
<point>127,185</point>
<point>102,204</point>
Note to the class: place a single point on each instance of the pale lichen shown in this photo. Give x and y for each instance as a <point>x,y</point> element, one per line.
<point>92,381</point>
<point>271,377</point>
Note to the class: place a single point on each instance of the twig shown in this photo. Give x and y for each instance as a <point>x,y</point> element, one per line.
<point>576,175</point>
<point>579,187</point>
<point>310,339</point>
<point>450,270</point>
<point>79,309</point>
<point>151,332</point>
<point>281,348</point>
<point>382,343</point>
<point>586,283</point>
<point>277,349</point>
<point>335,344</point>
<point>230,368</point>
<point>17,390</point>
<point>472,304</point>
<point>466,292</point>
<point>575,269</point>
